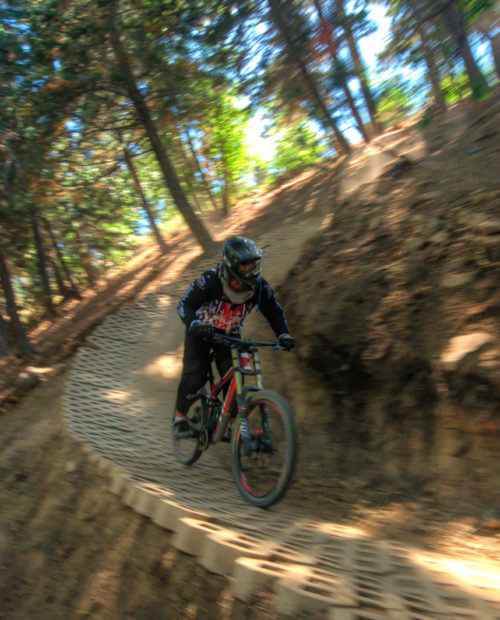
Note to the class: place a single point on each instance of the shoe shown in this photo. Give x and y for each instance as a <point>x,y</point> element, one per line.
<point>227,435</point>
<point>183,428</point>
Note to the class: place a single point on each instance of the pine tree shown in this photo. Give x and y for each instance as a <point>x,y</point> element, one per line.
<point>326,38</point>
<point>454,17</point>
<point>348,24</point>
<point>279,15</point>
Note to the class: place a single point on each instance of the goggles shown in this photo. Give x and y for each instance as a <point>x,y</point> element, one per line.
<point>248,267</point>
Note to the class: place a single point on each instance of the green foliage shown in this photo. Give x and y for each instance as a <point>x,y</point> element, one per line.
<point>456,87</point>
<point>66,116</point>
<point>298,149</point>
<point>225,130</point>
<point>395,100</point>
<point>433,36</point>
<point>473,8</point>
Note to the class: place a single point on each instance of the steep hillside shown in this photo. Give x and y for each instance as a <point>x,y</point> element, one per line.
<point>396,305</point>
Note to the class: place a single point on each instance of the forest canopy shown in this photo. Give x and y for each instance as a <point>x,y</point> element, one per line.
<point>120,116</point>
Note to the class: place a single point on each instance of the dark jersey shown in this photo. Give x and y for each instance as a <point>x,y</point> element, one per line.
<point>204,300</point>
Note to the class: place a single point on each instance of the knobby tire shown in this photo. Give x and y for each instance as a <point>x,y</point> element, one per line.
<point>281,475</point>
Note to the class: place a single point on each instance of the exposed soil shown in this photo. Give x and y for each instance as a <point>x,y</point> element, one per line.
<point>399,314</point>
<point>399,420</point>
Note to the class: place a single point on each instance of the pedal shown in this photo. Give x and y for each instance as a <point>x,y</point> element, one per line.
<point>192,434</point>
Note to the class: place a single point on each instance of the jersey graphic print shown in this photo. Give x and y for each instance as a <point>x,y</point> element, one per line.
<point>223,315</point>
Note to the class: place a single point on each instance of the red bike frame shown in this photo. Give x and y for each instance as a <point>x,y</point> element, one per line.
<point>235,376</point>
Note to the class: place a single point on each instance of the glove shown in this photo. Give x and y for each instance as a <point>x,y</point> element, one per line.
<point>286,341</point>
<point>198,328</point>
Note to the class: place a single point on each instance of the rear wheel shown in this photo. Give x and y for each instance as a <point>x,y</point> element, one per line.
<point>187,448</point>
<point>263,469</point>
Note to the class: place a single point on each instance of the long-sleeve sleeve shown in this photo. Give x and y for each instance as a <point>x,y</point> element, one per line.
<point>272,310</point>
<point>199,293</point>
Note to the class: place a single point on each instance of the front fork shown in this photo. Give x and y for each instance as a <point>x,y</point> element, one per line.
<point>241,395</point>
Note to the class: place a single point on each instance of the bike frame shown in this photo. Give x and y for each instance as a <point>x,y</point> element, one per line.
<point>236,390</point>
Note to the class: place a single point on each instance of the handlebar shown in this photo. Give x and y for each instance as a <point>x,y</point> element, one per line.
<point>244,344</point>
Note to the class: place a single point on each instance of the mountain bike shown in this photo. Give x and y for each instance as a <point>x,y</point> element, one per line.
<point>263,435</point>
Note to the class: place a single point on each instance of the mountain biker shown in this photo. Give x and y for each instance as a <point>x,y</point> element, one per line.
<point>218,302</point>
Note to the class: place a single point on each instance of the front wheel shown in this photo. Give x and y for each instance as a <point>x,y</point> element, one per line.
<point>264,467</point>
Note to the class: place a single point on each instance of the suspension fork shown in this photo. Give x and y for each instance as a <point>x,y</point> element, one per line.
<point>241,402</point>
<point>266,426</point>
<point>241,394</point>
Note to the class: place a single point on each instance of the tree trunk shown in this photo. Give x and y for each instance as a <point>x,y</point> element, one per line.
<point>188,177</point>
<point>345,86</point>
<point>144,202</point>
<point>430,60</point>
<point>144,116</point>
<point>73,287</point>
<point>200,170</point>
<point>4,338</point>
<point>455,22</point>
<point>197,203</point>
<point>64,290</point>
<point>487,24</point>
<point>360,70</point>
<point>354,111</point>
<point>42,265</point>
<point>307,81</point>
<point>85,260</point>
<point>20,339</point>
<point>226,191</point>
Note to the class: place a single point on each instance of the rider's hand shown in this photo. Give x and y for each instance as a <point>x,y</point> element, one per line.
<point>286,341</point>
<point>198,328</point>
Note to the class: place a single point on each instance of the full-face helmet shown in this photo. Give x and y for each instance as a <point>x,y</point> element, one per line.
<point>241,258</point>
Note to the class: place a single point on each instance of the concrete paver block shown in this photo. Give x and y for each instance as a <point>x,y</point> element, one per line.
<point>313,592</point>
<point>252,574</point>
<point>221,549</point>
<point>145,502</point>
<point>130,493</point>
<point>457,579</point>
<point>169,514</point>
<point>421,601</point>
<point>191,534</point>
<point>373,593</point>
<point>288,555</point>
<point>354,555</point>
<point>463,604</point>
<point>118,481</point>
<point>105,465</point>
<point>442,593</point>
<point>364,614</point>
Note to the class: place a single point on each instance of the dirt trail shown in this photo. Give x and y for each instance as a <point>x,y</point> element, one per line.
<point>69,548</point>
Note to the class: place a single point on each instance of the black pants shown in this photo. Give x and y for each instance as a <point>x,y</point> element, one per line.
<point>195,367</point>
